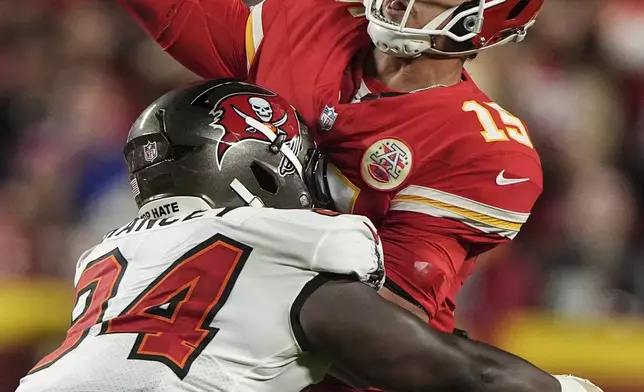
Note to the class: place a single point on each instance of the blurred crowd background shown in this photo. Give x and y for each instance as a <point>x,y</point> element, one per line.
<point>567,294</point>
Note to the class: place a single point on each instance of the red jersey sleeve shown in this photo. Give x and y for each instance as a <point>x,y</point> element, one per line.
<point>206,36</point>
<point>439,221</point>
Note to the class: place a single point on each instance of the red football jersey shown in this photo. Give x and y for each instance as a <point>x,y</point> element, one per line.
<point>445,173</point>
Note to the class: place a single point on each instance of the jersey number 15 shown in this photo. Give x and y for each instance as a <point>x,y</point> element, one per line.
<point>514,128</point>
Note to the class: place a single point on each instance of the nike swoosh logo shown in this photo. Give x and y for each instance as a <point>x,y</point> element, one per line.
<point>502,181</point>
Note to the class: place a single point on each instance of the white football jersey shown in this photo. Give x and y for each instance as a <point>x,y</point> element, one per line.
<point>206,301</point>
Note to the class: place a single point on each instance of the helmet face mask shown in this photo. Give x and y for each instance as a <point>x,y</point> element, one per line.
<point>474,25</point>
<point>227,142</point>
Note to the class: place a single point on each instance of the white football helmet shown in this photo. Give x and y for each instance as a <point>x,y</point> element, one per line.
<point>479,24</point>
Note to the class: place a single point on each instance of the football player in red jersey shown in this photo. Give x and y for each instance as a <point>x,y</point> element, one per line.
<point>414,144</point>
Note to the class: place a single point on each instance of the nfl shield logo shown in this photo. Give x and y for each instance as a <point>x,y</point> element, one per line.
<point>327,118</point>
<point>150,151</point>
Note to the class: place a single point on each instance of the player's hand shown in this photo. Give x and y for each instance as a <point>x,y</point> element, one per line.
<point>570,383</point>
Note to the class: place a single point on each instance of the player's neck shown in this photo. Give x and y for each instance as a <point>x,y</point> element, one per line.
<point>412,74</point>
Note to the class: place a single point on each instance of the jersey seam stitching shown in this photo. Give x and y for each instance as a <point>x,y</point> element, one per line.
<point>315,252</point>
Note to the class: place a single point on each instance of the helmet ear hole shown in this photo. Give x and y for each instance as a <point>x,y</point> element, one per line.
<point>514,12</point>
<point>176,152</point>
<point>266,178</point>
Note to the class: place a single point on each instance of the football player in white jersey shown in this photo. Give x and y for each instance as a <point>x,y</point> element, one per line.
<point>206,291</point>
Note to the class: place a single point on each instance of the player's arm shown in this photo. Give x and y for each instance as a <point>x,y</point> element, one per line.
<point>389,348</point>
<point>438,222</point>
<point>206,36</point>
<point>340,313</point>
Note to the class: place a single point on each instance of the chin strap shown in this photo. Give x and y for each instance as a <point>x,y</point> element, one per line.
<point>284,148</point>
<point>245,194</point>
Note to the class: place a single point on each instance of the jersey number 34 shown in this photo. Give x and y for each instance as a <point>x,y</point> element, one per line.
<point>172,316</point>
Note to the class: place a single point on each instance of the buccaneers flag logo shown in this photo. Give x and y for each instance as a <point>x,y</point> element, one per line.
<point>233,116</point>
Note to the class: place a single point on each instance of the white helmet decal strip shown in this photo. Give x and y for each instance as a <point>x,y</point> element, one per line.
<point>284,148</point>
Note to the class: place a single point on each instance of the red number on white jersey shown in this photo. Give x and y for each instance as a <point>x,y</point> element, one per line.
<point>173,315</point>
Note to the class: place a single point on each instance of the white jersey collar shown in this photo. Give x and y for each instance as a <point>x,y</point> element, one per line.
<point>171,206</point>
